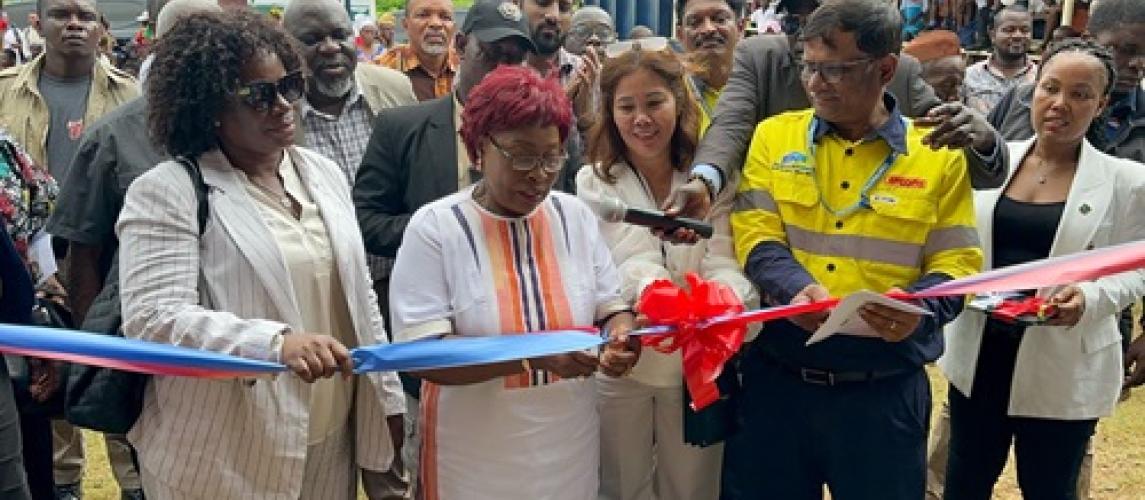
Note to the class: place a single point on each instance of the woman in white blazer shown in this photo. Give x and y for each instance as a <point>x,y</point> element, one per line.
<point>277,272</point>
<point>640,152</point>
<point>1043,388</point>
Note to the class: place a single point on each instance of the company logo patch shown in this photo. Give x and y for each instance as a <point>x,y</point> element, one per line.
<point>75,129</point>
<point>509,11</point>
<point>795,162</point>
<point>906,182</point>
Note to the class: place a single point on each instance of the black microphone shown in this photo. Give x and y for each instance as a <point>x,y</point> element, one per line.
<point>614,210</point>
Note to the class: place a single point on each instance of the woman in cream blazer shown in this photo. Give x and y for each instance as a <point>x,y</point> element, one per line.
<point>278,273</point>
<point>1045,387</point>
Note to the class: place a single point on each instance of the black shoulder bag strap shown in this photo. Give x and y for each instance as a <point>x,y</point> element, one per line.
<point>192,167</point>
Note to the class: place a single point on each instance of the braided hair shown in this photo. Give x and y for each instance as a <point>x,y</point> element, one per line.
<point>1085,46</point>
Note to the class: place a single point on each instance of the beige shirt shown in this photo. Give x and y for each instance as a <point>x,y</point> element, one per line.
<point>305,247</point>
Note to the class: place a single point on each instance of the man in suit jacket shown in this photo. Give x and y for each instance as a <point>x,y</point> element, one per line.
<point>765,81</point>
<point>414,156</point>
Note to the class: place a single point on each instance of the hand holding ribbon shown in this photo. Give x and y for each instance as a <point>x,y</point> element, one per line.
<point>706,346</point>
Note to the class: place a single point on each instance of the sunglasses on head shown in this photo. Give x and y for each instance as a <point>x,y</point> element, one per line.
<point>603,33</point>
<point>262,95</point>
<point>651,44</point>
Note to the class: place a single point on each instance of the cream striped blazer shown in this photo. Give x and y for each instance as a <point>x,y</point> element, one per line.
<point>230,439</point>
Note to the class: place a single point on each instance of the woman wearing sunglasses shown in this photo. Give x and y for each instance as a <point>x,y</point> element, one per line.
<point>640,151</point>
<point>273,269</point>
<point>503,257</point>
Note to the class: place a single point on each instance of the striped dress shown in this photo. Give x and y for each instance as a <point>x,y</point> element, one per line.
<point>469,272</point>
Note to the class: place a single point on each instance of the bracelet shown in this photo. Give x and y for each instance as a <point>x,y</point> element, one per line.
<point>708,183</point>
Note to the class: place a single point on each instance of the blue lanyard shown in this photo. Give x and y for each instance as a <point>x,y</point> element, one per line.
<point>864,200</point>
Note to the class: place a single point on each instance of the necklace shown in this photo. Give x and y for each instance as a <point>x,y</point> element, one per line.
<point>283,199</point>
<point>1041,171</point>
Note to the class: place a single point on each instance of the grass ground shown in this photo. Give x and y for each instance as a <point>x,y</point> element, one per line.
<point>1119,465</point>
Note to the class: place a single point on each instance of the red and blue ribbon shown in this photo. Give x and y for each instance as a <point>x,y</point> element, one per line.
<point>706,322</point>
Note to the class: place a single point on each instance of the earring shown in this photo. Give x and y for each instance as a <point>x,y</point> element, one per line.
<point>218,124</point>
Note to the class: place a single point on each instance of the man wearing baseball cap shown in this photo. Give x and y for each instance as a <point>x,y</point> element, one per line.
<point>415,154</point>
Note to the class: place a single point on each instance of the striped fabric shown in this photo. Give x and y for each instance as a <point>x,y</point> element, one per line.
<point>462,270</point>
<point>527,280</point>
<point>239,438</point>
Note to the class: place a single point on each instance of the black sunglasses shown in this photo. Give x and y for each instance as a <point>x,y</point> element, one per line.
<point>262,95</point>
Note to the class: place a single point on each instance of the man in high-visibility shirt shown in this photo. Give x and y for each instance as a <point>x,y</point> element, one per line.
<point>836,199</point>
<point>709,31</point>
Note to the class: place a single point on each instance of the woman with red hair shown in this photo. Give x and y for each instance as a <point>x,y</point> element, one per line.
<point>508,256</point>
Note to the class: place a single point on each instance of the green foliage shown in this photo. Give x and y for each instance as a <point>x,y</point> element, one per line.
<point>395,5</point>
<point>389,5</point>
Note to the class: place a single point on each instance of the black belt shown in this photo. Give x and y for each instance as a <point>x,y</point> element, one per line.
<point>817,376</point>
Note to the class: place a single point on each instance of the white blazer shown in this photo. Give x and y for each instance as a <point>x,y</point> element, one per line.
<point>237,438</point>
<point>1065,373</point>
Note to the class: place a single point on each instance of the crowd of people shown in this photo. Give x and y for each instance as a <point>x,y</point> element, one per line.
<point>288,187</point>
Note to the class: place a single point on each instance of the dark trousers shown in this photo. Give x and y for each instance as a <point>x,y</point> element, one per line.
<point>864,440</point>
<point>36,432</point>
<point>1048,452</point>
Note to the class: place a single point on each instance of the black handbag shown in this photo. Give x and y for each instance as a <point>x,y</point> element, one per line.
<point>719,420</point>
<point>108,400</point>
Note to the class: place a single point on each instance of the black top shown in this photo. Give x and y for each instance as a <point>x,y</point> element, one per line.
<point>1024,231</point>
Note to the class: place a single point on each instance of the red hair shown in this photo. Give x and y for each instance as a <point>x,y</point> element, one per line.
<point>512,97</point>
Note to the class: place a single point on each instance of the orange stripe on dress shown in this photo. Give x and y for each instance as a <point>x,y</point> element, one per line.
<point>552,287</point>
<point>557,309</point>
<point>503,269</point>
<point>427,471</point>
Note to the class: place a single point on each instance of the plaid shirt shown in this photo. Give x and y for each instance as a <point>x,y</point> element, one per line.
<point>343,139</point>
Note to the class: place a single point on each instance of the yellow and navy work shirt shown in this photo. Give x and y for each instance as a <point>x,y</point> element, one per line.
<point>706,97</point>
<point>792,228</point>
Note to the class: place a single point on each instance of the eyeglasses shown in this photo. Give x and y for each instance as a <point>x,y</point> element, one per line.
<point>551,164</point>
<point>262,95</point>
<point>651,44</point>
<point>830,72</point>
<point>603,33</point>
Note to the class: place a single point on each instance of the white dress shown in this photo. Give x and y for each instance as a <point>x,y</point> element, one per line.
<point>466,271</point>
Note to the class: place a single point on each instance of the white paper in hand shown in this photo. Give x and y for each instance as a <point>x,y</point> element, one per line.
<point>845,317</point>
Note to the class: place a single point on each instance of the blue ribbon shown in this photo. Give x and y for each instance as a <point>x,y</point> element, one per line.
<point>165,359</point>
<point>465,351</point>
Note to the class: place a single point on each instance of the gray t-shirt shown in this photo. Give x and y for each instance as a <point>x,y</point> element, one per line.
<point>67,105</point>
<point>115,150</point>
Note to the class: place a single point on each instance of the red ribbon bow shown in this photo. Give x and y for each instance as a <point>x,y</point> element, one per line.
<point>705,348</point>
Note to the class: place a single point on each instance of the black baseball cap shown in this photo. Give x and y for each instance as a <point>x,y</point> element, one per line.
<point>494,20</point>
